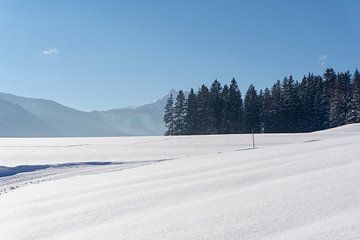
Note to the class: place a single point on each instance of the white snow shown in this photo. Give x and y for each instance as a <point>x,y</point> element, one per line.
<point>292,186</point>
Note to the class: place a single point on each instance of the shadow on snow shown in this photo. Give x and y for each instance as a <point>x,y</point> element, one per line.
<point>10,171</point>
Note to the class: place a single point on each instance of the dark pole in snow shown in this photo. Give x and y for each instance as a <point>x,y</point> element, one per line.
<point>253,139</point>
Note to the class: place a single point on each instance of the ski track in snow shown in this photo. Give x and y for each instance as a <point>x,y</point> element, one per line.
<point>291,186</point>
<point>12,178</point>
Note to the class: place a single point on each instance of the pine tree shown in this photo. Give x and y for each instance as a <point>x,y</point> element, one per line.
<point>328,93</point>
<point>354,111</point>
<point>317,98</point>
<point>204,112</point>
<point>329,82</point>
<point>266,111</point>
<point>235,108</point>
<point>339,104</point>
<point>261,106</point>
<point>289,106</point>
<point>252,111</point>
<point>192,120</point>
<point>169,116</point>
<point>305,104</point>
<point>217,106</point>
<point>356,95</point>
<point>310,99</point>
<point>180,114</point>
<point>275,109</point>
<point>225,125</point>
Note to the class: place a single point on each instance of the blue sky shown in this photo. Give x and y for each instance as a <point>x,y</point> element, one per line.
<point>107,54</point>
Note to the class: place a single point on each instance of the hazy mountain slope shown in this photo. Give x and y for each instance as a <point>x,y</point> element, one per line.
<point>59,120</point>
<point>64,120</point>
<point>16,121</point>
<point>143,120</point>
<point>134,121</point>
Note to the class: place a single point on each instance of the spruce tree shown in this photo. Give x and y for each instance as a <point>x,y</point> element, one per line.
<point>317,98</point>
<point>305,104</point>
<point>289,106</point>
<point>192,120</point>
<point>329,82</point>
<point>266,111</point>
<point>328,93</point>
<point>216,107</point>
<point>251,111</point>
<point>261,105</point>
<point>354,111</point>
<point>310,99</point>
<point>204,112</point>
<point>169,116</point>
<point>356,95</point>
<point>180,114</point>
<point>275,109</point>
<point>225,125</point>
<point>235,108</point>
<point>339,104</point>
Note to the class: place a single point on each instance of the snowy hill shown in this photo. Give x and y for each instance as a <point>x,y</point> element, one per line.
<point>292,186</point>
<point>39,117</point>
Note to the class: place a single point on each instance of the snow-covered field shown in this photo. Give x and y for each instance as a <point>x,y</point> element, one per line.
<point>293,186</point>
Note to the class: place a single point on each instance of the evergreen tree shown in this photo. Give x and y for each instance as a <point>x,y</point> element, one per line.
<point>339,104</point>
<point>180,114</point>
<point>261,106</point>
<point>204,112</point>
<point>217,106</point>
<point>354,111</point>
<point>328,94</point>
<point>275,109</point>
<point>169,116</point>
<point>225,125</point>
<point>266,111</point>
<point>305,103</point>
<point>356,95</point>
<point>329,82</point>
<point>192,120</point>
<point>235,108</point>
<point>317,97</point>
<point>289,106</point>
<point>310,99</point>
<point>252,110</point>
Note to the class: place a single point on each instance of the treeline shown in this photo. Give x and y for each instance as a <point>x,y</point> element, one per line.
<point>315,103</point>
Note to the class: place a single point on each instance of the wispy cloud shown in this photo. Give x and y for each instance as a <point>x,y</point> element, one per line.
<point>322,60</point>
<point>50,51</point>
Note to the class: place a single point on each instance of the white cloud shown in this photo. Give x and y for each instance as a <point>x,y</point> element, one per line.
<point>50,51</point>
<point>322,60</point>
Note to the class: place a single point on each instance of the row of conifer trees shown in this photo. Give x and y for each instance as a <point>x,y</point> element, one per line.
<point>315,103</point>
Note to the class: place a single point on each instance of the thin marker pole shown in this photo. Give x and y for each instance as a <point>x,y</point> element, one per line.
<point>253,139</point>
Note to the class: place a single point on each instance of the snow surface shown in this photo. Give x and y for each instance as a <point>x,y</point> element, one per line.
<point>292,186</point>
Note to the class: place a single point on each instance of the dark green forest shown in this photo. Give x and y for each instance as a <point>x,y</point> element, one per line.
<point>314,103</point>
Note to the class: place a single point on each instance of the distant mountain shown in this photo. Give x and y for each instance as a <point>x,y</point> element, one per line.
<point>16,121</point>
<point>30,117</point>
<point>142,120</point>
